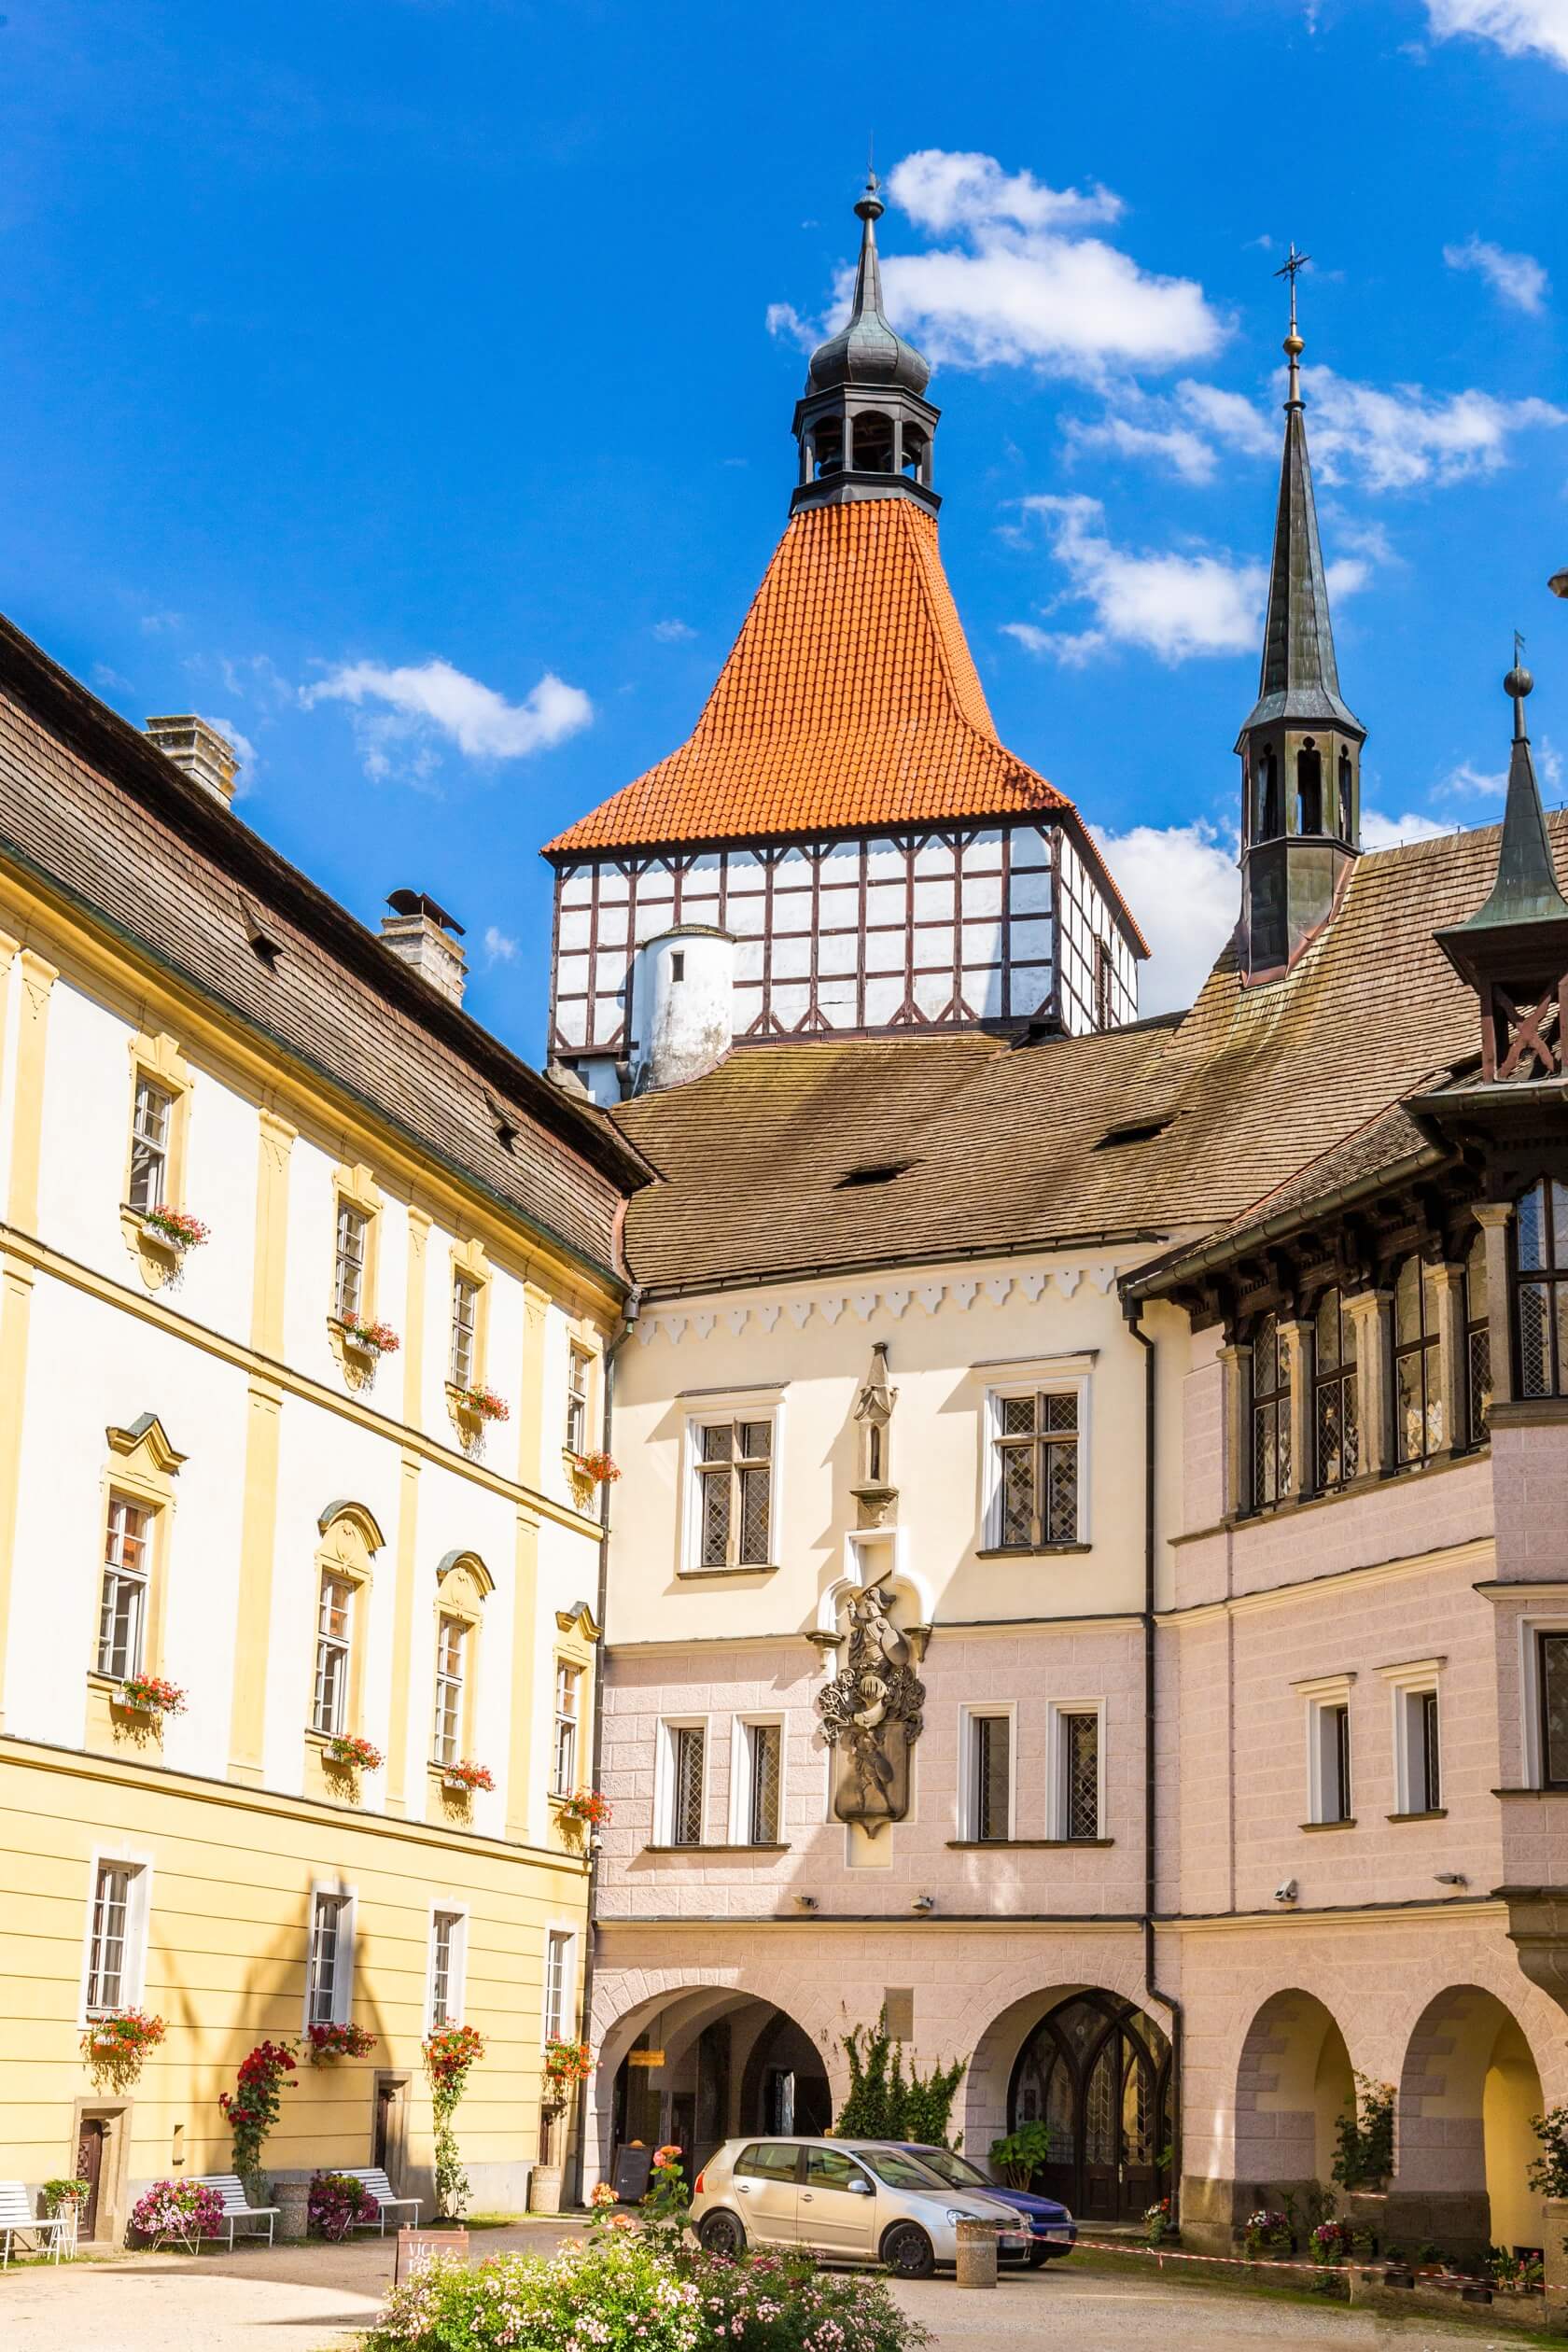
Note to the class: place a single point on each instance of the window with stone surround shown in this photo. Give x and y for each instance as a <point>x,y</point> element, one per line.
<point>1269,1460</point>
<point>1551,1671</point>
<point>1541,1289</point>
<point>1329,1750</point>
<point>152,1115</point>
<point>1074,1771</point>
<point>682,1785</point>
<point>116,1937</point>
<point>758,1794</point>
<point>1418,1751</point>
<point>449,1934</point>
<point>732,1482</point>
<point>1418,1378</point>
<point>123,1604</point>
<point>1036,1476</point>
<point>986,1780</point>
<point>330,1962</point>
<point>1335,1397</point>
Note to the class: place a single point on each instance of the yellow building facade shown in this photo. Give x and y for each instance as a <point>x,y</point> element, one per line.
<point>307,1290</point>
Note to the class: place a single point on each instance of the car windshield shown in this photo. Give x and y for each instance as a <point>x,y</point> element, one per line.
<point>957,2171</point>
<point>897,2170</point>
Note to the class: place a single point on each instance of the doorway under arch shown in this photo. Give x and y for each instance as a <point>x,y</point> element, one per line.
<point>1096,2071</point>
<point>712,2064</point>
<point>1467,2091</point>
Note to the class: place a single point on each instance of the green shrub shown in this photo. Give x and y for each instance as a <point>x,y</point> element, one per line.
<point>616,2295</point>
<point>1366,2137</point>
<point>773,2303</point>
<point>1549,2172</point>
<point>1021,2154</point>
<point>882,2102</point>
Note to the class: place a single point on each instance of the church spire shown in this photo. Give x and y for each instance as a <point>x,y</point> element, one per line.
<point>863,425</point>
<point>1300,745</point>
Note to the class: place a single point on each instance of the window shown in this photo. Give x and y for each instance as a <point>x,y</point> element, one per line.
<point>766,2160</point>
<point>150,1145</point>
<point>569,1684</point>
<point>759,1756</point>
<point>557,1986</point>
<point>579,1373</point>
<point>1036,1447</point>
<point>329,1968</point>
<point>112,1933</point>
<point>348,1265</point>
<point>451,1634</point>
<point>1478,1343</point>
<point>1309,786</point>
<point>122,1615</point>
<point>448,1935</point>
<point>1078,1733</point>
<point>1271,1415</point>
<point>1335,1409</point>
<point>1347,812</point>
<point>832,2168</point>
<point>1418,1388</point>
<point>1104,1011</point>
<point>1328,1751</point>
<point>990,1779</point>
<point>677,967</point>
<point>1552,1671</point>
<point>734,1489</point>
<point>463,1356</point>
<point>685,1759</point>
<point>334,1629</point>
<point>1541,1289</point>
<point>1418,1712</point>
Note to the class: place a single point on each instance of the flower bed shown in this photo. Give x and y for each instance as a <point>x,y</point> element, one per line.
<point>185,2210</point>
<point>586,1805</point>
<point>468,1774</point>
<point>360,1755</point>
<point>150,1694</point>
<point>181,1231</point>
<point>328,2043</point>
<point>337,2201</point>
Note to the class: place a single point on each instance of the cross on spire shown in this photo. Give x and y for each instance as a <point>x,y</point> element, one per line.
<point>1291,267</point>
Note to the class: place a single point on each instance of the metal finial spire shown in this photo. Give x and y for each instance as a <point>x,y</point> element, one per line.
<point>1519,684</point>
<point>1294,263</point>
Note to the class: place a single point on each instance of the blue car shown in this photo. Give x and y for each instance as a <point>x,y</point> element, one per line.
<point>1052,2231</point>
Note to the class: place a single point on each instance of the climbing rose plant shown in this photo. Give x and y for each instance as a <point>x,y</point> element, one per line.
<point>252,2107</point>
<point>451,2054</point>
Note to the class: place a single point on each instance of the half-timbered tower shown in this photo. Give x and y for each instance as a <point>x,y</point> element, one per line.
<point>843,846</point>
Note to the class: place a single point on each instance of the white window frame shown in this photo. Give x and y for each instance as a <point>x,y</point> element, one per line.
<point>342,1647</point>
<point>558,1934</point>
<point>343,1973</point>
<point>741,1729</point>
<point>705,1408</point>
<point>139,1911</point>
<point>1530,1630</point>
<point>1409,1685</point>
<point>446,1682</point>
<point>465,1287</point>
<point>139,1580</point>
<point>969,1791</point>
<point>579,1365</point>
<point>563,1784</point>
<point>1041,1376</point>
<point>1057,1789</point>
<point>1325,1692</point>
<point>156,1147</point>
<point>664,1777</point>
<point>347,1270</point>
<point>458,1969</point>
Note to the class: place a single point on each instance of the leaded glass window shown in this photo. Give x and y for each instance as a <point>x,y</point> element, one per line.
<point>1037,1469</point>
<point>1272,1414</point>
<point>688,1744</point>
<point>1553,1666</point>
<point>1418,1387</point>
<point>1478,1343</point>
<point>1080,1737</point>
<point>734,1489</point>
<point>1541,1289</point>
<point>990,1777</point>
<point>1335,1405</point>
<point>763,1742</point>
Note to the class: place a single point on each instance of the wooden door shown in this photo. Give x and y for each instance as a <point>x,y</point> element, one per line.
<point>1102,2123</point>
<point>90,2149</point>
<point>1139,2148</point>
<point>389,2127</point>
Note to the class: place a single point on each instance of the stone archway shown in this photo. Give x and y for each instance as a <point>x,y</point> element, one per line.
<point>1467,2090</point>
<point>1293,2084</point>
<point>1096,2071</point>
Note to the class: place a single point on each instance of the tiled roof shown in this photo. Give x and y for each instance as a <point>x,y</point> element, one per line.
<point>94,809</point>
<point>850,699</point>
<point>1006,1146</point>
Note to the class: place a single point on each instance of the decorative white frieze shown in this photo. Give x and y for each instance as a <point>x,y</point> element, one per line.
<point>768,1314</point>
<point>864,1303</point>
<point>895,1300</point>
<point>963,1291</point>
<point>736,1318</point>
<point>999,1288</point>
<point>831,1307</point>
<point>1070,1278</point>
<point>703,1324</point>
<point>930,1296</point>
<point>800,1312</point>
<point>1032,1284</point>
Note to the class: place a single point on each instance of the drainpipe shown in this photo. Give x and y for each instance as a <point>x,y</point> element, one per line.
<point>1133,1309</point>
<point>629,1318</point>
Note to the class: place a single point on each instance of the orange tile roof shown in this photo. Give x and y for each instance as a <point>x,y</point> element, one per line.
<point>849,699</point>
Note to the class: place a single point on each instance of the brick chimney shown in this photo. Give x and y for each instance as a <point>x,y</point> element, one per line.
<point>425,937</point>
<point>207,757</point>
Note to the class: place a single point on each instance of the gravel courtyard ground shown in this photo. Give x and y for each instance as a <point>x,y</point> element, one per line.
<point>316,2298</point>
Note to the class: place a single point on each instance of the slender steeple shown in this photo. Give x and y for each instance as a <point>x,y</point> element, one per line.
<point>1514,950</point>
<point>1300,745</point>
<point>863,425</point>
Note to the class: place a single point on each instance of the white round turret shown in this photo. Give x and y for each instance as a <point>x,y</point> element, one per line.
<point>687,986</point>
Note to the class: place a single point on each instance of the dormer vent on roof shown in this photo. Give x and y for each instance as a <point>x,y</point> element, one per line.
<point>863,425</point>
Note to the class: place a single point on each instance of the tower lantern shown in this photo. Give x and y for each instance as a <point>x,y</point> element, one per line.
<point>864,424</point>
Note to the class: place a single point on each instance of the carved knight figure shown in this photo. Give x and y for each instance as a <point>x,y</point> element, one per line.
<point>872,1713</point>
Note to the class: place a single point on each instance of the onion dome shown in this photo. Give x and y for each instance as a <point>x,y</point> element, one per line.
<point>866,350</point>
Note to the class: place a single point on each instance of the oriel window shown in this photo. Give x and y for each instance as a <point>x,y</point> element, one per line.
<point>348,1264</point>
<point>150,1145</point>
<point>463,1358</point>
<point>735,1492</point>
<point>1541,1289</point>
<point>1271,1415</point>
<point>122,1612</point>
<point>333,1638</point>
<point>1037,1469</point>
<point>1336,1411</point>
<point>1418,1388</point>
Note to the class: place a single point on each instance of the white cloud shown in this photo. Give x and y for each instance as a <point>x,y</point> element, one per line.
<point>1170,604</point>
<point>109,681</point>
<point>942,191</point>
<point>673,632</point>
<point>1521,28</point>
<point>1467,782</point>
<point>499,947</point>
<point>1387,832</point>
<point>243,747</point>
<point>1516,278</point>
<point>785,322</point>
<point>1186,452</point>
<point>161,624</point>
<point>1231,417</point>
<point>1183,885</point>
<point>421,705</point>
<point>1402,437</point>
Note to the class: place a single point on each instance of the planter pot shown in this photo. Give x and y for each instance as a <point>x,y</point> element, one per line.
<point>545,2188</point>
<point>292,2200</point>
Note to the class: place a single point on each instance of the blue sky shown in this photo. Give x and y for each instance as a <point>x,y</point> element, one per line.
<point>406,385</point>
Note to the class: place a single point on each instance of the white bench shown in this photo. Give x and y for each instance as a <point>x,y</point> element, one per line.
<point>375,2180</point>
<point>18,2219</point>
<point>236,2208</point>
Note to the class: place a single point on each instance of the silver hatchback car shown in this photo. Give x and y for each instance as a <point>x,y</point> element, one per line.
<point>850,2201</point>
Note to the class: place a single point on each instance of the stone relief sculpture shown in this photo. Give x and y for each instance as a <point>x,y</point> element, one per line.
<point>872,1714</point>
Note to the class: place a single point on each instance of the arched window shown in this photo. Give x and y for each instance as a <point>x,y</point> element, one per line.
<point>1272,1414</point>
<point>827,442</point>
<point>1541,1289</point>
<point>1267,794</point>
<point>1335,1410</point>
<point>873,444</point>
<point>1418,1388</point>
<point>1347,794</point>
<point>914,453</point>
<point>1309,789</point>
<point>1478,1343</point>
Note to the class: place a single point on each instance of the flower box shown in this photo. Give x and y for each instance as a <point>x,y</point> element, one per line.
<point>172,1229</point>
<point>565,2064</point>
<point>150,1695</point>
<point>370,1340</point>
<point>481,1405</point>
<point>594,1469</point>
<point>467,1776</point>
<point>586,1805</point>
<point>352,1754</point>
<point>328,2043</point>
<point>123,2039</point>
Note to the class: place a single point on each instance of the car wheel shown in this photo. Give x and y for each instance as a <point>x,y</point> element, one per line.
<point>907,2251</point>
<point>721,2234</point>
